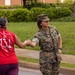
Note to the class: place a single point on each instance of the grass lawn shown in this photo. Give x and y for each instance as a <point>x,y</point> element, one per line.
<point>25,30</point>
<point>66,65</point>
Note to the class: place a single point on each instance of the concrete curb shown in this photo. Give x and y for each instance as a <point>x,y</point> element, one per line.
<point>29,65</point>
<point>36,66</point>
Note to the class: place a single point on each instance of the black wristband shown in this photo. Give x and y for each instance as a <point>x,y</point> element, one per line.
<point>60,48</point>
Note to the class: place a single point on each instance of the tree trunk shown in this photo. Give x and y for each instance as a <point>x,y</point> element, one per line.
<point>24,3</point>
<point>74,10</point>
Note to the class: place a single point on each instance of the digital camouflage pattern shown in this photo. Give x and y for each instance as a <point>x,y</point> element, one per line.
<point>47,61</point>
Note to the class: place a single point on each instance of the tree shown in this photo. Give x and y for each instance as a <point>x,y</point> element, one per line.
<point>24,3</point>
<point>68,1</point>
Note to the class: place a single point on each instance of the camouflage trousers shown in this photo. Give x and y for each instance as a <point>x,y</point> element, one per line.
<point>49,65</point>
<point>50,68</point>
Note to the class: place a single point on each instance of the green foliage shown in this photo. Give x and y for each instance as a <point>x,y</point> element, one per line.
<point>67,32</point>
<point>17,15</point>
<point>5,13</point>
<point>20,15</point>
<point>41,5</point>
<point>58,12</point>
<point>28,59</point>
<point>34,3</point>
<point>65,19</point>
<point>67,5</point>
<point>1,13</point>
<point>62,12</point>
<point>24,15</point>
<point>68,1</point>
<point>49,5</point>
<point>68,65</point>
<point>50,12</point>
<point>36,11</point>
<point>10,7</point>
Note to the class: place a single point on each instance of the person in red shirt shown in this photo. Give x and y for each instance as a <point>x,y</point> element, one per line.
<point>8,58</point>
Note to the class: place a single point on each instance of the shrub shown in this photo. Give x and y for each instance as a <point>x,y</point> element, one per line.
<point>50,12</point>
<point>66,19</point>
<point>5,13</point>
<point>24,15</point>
<point>20,15</point>
<point>41,5</point>
<point>62,12</point>
<point>10,7</point>
<point>36,11</point>
<point>1,13</point>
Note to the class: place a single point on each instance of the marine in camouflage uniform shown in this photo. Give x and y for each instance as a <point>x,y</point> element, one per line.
<point>49,58</point>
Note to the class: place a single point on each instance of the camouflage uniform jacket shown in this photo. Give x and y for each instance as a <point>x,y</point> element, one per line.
<point>46,44</point>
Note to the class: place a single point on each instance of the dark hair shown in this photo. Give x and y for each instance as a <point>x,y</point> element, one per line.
<point>2,21</point>
<point>38,24</point>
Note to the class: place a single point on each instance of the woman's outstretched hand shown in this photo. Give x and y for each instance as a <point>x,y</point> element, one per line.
<point>29,42</point>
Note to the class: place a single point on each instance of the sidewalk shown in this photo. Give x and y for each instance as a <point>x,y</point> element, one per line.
<point>35,54</point>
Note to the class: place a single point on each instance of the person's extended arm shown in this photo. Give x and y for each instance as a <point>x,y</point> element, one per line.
<point>34,42</point>
<point>19,43</point>
<point>60,44</point>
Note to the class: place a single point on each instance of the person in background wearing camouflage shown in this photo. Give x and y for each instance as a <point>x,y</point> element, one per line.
<point>50,42</point>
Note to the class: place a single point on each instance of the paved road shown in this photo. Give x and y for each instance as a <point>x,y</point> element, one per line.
<point>24,71</point>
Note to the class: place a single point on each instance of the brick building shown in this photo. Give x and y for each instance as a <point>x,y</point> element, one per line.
<point>20,2</point>
<point>10,2</point>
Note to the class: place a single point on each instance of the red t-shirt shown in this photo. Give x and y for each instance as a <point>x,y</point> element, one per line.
<point>7,53</point>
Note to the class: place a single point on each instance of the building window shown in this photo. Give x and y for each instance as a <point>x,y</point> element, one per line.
<point>7,2</point>
<point>43,1</point>
<point>61,1</point>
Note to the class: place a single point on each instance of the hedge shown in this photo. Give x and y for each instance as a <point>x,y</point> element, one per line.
<point>24,15</point>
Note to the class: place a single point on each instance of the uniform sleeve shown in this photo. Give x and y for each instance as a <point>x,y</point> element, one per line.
<point>35,40</point>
